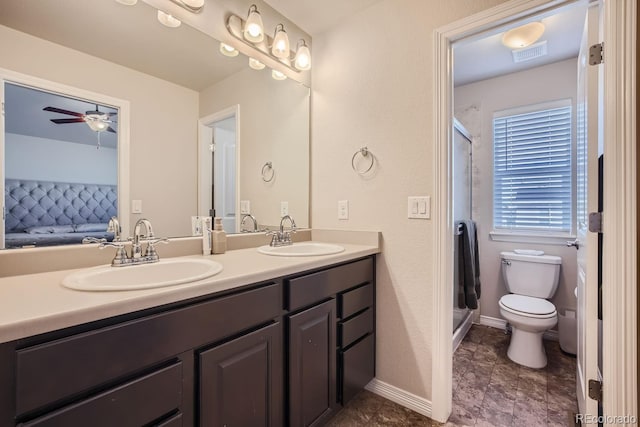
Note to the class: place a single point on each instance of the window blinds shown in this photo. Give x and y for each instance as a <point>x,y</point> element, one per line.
<point>532,171</point>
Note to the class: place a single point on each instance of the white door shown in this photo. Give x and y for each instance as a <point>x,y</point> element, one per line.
<point>224,175</point>
<point>589,105</point>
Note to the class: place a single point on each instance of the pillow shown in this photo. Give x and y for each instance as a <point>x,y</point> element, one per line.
<point>49,229</point>
<point>90,227</point>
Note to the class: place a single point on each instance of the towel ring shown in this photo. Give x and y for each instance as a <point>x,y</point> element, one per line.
<point>266,177</point>
<point>364,152</point>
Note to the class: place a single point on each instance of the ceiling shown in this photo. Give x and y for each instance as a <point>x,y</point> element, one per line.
<point>315,16</point>
<point>486,57</point>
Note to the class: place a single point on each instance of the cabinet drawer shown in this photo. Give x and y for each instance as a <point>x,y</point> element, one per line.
<point>353,301</point>
<point>175,421</point>
<point>358,367</point>
<point>357,327</point>
<point>306,290</point>
<point>59,369</point>
<point>134,403</point>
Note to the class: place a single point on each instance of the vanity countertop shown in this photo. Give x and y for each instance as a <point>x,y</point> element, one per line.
<point>32,304</point>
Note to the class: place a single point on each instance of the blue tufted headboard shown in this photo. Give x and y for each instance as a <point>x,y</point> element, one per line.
<point>41,203</point>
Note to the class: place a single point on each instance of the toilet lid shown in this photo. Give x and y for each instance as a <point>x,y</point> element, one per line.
<point>528,305</point>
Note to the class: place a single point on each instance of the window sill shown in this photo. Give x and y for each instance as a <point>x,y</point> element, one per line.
<point>542,239</point>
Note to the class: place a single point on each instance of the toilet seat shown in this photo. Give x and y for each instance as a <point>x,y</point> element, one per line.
<point>528,306</point>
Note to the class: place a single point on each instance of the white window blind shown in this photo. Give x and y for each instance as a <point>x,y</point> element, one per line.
<point>532,171</point>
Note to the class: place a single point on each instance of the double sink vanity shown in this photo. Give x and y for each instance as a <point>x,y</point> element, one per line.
<point>259,336</point>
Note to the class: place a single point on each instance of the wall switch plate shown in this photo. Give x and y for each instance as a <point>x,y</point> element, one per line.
<point>136,206</point>
<point>343,209</point>
<point>245,207</point>
<point>419,207</point>
<point>284,208</point>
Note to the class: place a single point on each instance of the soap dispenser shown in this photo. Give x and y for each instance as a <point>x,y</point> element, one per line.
<point>218,238</point>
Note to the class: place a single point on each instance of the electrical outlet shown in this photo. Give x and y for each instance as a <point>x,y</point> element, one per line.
<point>419,207</point>
<point>136,206</point>
<point>245,207</point>
<point>284,208</point>
<point>343,209</point>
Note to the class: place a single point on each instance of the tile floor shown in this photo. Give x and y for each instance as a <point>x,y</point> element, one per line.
<point>488,390</point>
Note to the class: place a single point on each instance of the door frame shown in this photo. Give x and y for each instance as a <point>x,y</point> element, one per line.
<point>620,277</point>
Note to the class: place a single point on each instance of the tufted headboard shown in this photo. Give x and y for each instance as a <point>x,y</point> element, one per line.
<point>41,203</point>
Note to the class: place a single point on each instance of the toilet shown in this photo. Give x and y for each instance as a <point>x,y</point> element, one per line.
<point>531,281</point>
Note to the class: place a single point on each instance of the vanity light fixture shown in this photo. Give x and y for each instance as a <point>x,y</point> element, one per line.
<point>277,75</point>
<point>168,20</point>
<point>127,2</point>
<point>303,56</point>
<point>280,47</point>
<point>255,64</point>
<point>227,50</point>
<point>523,36</point>
<point>194,6</point>
<point>253,28</point>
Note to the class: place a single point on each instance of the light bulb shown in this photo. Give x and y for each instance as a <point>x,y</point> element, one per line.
<point>227,50</point>
<point>253,28</point>
<point>168,20</point>
<point>303,56</point>
<point>255,64</point>
<point>280,48</point>
<point>523,36</point>
<point>278,75</point>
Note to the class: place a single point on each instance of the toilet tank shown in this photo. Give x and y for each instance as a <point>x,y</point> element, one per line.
<point>531,275</point>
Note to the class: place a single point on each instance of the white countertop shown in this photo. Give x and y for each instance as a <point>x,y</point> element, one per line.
<point>32,304</point>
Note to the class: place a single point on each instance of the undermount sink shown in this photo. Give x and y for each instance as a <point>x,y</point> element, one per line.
<point>302,249</point>
<point>166,272</point>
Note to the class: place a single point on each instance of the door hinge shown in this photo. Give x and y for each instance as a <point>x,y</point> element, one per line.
<point>596,54</point>
<point>595,222</point>
<point>595,390</point>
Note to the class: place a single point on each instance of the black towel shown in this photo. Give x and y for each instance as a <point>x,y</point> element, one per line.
<point>468,265</point>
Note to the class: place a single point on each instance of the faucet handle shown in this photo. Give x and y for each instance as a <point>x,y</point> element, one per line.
<point>87,240</point>
<point>151,249</point>
<point>121,254</point>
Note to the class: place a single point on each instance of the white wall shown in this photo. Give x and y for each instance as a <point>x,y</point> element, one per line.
<point>372,85</point>
<point>274,127</point>
<point>475,104</point>
<point>163,123</point>
<point>42,159</point>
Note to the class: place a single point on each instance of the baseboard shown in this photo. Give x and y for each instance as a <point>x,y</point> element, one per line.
<point>400,396</point>
<point>494,322</point>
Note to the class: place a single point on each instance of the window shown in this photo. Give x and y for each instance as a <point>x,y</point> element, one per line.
<point>532,171</point>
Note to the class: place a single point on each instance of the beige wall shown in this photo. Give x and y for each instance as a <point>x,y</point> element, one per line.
<point>274,127</point>
<point>372,85</point>
<point>163,123</point>
<point>475,104</point>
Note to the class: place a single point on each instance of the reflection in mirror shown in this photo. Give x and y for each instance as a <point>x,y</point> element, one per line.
<point>61,168</point>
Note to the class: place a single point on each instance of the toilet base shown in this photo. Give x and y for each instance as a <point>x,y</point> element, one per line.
<point>526,348</point>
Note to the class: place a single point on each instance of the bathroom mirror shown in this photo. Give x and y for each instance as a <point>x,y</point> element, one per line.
<point>174,79</point>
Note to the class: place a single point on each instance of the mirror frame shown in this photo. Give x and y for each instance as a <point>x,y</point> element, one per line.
<point>8,76</point>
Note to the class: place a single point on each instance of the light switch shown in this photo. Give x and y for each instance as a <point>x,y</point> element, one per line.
<point>343,209</point>
<point>284,208</point>
<point>419,207</point>
<point>136,206</point>
<point>245,207</point>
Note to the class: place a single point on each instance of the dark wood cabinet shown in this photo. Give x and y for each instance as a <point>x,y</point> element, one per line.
<point>312,373</point>
<point>240,381</point>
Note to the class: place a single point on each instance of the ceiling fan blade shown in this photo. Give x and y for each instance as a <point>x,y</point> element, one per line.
<point>61,111</point>
<point>62,121</point>
<point>110,129</point>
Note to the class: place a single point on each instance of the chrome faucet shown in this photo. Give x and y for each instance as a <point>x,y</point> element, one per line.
<point>137,256</point>
<point>283,238</point>
<point>255,223</point>
<point>114,227</point>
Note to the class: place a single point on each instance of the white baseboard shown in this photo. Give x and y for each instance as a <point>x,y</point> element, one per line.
<point>400,396</point>
<point>494,322</point>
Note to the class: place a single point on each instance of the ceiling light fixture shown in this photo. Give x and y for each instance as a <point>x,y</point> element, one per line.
<point>523,36</point>
<point>255,64</point>
<point>227,50</point>
<point>253,28</point>
<point>127,2</point>
<point>277,75</point>
<point>280,48</point>
<point>303,56</point>
<point>194,6</point>
<point>168,20</point>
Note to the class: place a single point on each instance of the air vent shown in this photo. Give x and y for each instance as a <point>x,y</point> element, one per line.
<point>531,52</point>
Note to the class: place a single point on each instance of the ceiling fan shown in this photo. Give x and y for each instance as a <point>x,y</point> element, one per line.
<point>97,120</point>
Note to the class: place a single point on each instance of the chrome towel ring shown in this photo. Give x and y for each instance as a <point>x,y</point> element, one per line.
<point>268,172</point>
<point>364,152</point>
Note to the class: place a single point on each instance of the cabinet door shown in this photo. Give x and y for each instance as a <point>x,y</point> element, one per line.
<point>312,365</point>
<point>358,367</point>
<point>241,381</point>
